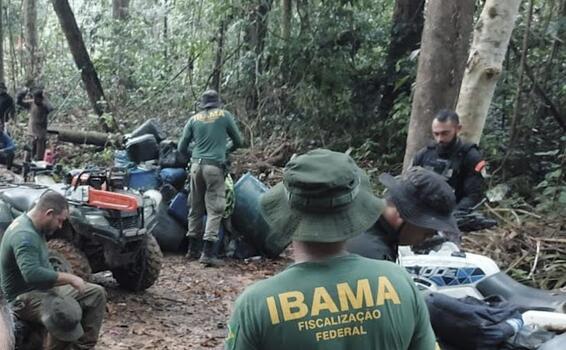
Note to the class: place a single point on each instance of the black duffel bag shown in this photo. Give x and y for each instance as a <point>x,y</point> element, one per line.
<point>472,324</point>
<point>170,157</point>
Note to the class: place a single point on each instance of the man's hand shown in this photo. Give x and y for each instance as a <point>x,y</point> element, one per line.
<point>68,278</point>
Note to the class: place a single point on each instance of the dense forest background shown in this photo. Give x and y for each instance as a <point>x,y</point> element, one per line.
<point>338,74</point>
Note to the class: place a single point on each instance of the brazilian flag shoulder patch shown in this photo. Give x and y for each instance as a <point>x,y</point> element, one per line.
<point>230,341</point>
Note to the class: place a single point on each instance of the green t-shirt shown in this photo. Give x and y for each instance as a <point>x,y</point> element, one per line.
<point>346,302</point>
<point>24,263</point>
<point>209,130</point>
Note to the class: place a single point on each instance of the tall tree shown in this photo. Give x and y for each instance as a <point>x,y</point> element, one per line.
<point>217,74</point>
<point>406,32</point>
<point>286,14</point>
<point>1,42</point>
<point>491,39</point>
<point>32,57</point>
<point>82,60</point>
<point>120,13</point>
<point>254,39</point>
<point>442,59</point>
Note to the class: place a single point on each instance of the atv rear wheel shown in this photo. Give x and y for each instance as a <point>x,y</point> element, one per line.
<point>65,257</point>
<point>144,272</point>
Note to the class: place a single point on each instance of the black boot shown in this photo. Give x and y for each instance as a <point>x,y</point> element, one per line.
<point>208,258</point>
<point>193,251</point>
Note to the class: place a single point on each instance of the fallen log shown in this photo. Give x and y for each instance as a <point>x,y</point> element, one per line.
<point>86,137</point>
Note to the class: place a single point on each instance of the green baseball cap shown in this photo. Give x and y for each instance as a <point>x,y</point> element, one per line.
<point>324,197</point>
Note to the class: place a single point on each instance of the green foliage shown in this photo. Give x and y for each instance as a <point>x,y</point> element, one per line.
<point>552,190</point>
<point>321,87</point>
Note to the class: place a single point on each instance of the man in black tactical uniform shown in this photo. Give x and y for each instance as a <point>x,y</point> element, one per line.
<point>460,163</point>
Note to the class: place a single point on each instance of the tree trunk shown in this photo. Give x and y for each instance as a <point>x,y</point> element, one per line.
<point>82,60</point>
<point>485,63</point>
<point>30,24</point>
<point>442,59</point>
<point>120,12</point>
<point>86,137</point>
<point>406,32</point>
<point>166,34</point>
<point>516,116</point>
<point>2,78</point>
<point>13,55</point>
<point>286,15</point>
<point>254,43</point>
<point>217,74</point>
<point>303,13</point>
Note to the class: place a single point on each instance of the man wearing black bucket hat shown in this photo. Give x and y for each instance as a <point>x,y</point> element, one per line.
<point>209,130</point>
<point>328,299</point>
<point>419,204</point>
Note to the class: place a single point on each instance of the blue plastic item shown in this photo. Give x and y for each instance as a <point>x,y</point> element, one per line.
<point>173,176</point>
<point>121,159</point>
<point>248,220</point>
<point>179,208</point>
<point>143,179</point>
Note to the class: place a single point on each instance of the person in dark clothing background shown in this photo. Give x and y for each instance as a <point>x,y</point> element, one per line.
<point>460,163</point>
<point>7,108</point>
<point>38,108</point>
<point>417,205</point>
<point>7,147</point>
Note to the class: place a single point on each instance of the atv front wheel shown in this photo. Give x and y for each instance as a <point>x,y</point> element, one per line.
<point>65,257</point>
<point>144,272</point>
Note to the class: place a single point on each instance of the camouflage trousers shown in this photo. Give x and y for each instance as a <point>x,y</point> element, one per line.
<point>27,307</point>
<point>207,196</point>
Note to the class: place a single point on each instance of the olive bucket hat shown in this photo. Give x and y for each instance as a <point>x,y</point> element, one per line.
<point>324,197</point>
<point>209,99</point>
<point>61,316</point>
<point>423,198</point>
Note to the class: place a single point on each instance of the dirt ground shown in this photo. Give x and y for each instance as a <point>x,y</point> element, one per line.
<point>187,308</point>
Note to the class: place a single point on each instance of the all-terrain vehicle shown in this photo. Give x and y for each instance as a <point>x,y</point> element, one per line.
<point>105,231</point>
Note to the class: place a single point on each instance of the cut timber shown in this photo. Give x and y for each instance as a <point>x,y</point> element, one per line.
<point>86,137</point>
<point>491,39</point>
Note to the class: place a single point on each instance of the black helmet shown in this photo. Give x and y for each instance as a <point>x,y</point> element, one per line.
<point>209,99</point>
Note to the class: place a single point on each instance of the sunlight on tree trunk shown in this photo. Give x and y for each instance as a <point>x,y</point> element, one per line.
<point>485,63</point>
<point>442,60</point>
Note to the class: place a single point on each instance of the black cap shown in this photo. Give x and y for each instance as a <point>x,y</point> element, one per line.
<point>423,198</point>
<point>37,92</point>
